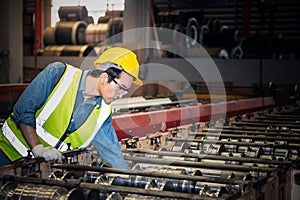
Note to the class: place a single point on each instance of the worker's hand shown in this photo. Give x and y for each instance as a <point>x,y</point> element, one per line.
<point>48,153</point>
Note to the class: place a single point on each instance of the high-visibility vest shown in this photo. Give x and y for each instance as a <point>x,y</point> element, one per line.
<point>53,118</point>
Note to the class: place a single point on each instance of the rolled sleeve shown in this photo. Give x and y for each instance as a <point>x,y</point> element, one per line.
<point>107,145</point>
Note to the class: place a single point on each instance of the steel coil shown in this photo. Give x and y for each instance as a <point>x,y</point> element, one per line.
<point>70,32</point>
<point>96,33</point>
<point>52,50</point>
<point>38,192</point>
<point>192,32</point>
<point>68,50</point>
<point>115,27</point>
<point>103,19</point>
<point>72,13</point>
<point>89,20</point>
<point>49,36</point>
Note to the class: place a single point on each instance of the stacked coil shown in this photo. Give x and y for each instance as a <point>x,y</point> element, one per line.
<point>77,35</point>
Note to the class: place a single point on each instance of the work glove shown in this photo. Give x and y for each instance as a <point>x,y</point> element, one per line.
<point>48,153</point>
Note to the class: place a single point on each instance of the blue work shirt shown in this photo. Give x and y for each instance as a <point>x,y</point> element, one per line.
<point>37,92</point>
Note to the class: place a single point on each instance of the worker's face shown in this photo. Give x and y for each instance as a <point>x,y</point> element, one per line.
<point>117,88</point>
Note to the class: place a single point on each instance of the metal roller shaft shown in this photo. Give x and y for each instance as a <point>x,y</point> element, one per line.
<point>159,175</point>
<point>143,153</point>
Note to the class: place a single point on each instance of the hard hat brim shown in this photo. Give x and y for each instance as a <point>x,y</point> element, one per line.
<point>138,82</point>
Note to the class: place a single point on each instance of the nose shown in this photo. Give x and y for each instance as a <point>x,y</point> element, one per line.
<point>120,95</point>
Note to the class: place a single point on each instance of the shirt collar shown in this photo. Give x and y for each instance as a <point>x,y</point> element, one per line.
<point>82,88</point>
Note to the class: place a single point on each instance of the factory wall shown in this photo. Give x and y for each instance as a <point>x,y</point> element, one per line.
<point>11,34</point>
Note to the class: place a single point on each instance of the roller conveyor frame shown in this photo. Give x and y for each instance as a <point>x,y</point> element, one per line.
<point>251,185</point>
<point>232,174</point>
<point>172,176</point>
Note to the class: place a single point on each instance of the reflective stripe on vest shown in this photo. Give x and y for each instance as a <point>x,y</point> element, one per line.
<point>51,105</point>
<point>104,109</point>
<point>14,141</point>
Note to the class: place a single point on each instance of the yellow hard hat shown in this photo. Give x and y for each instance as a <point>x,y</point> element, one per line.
<point>123,58</point>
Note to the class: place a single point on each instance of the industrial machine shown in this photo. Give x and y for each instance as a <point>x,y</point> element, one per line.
<point>250,156</point>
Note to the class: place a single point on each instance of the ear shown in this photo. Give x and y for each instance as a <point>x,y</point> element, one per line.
<point>104,77</point>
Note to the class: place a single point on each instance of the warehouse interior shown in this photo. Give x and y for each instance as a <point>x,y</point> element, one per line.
<point>216,118</point>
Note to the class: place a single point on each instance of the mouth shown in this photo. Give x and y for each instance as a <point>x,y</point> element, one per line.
<point>112,99</point>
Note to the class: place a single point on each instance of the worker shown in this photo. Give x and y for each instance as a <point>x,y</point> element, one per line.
<point>66,107</point>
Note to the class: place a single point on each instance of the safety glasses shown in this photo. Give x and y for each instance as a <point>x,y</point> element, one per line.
<point>125,90</point>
